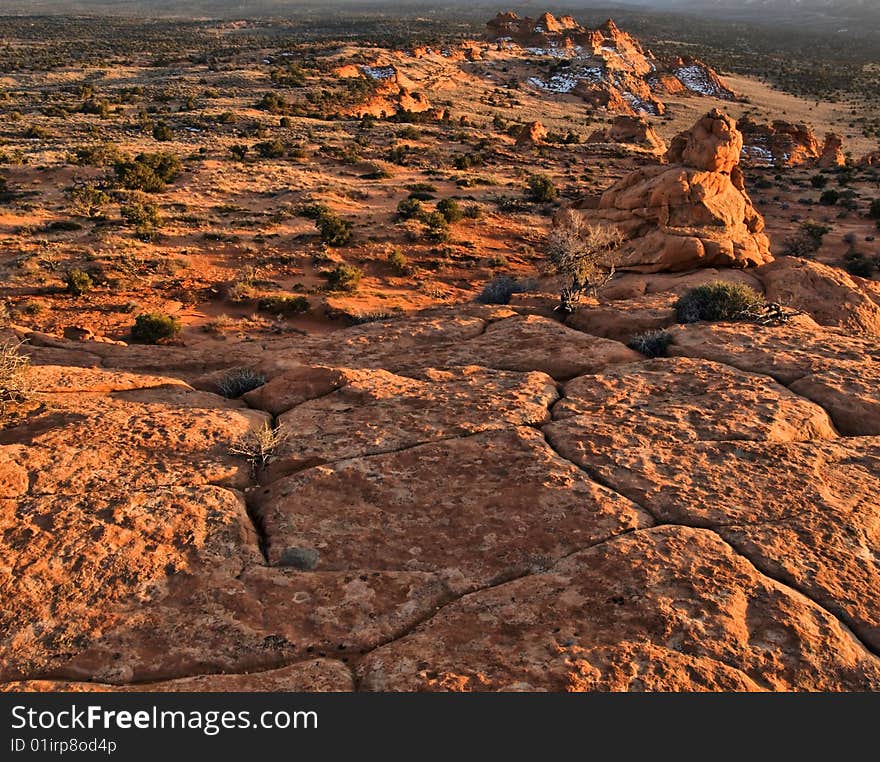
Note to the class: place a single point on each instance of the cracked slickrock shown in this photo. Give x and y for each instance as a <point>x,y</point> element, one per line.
<point>466,499</point>
<point>471,509</point>
<point>377,411</point>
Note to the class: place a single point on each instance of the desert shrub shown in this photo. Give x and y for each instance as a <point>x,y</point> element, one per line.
<point>450,209</point>
<point>473,211</point>
<point>343,277</point>
<point>467,161</point>
<point>152,327</point>
<point>78,282</point>
<point>421,191</point>
<point>399,263</point>
<point>15,384</point>
<point>651,343</point>
<point>719,300</point>
<point>501,288</point>
<point>409,208</point>
<point>861,265</point>
<point>874,209</point>
<point>829,197</point>
<point>271,149</point>
<point>333,229</point>
<point>313,211</point>
<point>287,306</point>
<point>238,381</point>
<point>141,214</point>
<point>583,254</point>
<point>436,227</point>
<point>806,241</point>
<point>238,151</point>
<point>541,189</point>
<point>273,103</point>
<point>100,155</point>
<point>819,181</point>
<point>162,132</point>
<point>88,201</point>
<point>148,172</point>
<point>259,446</point>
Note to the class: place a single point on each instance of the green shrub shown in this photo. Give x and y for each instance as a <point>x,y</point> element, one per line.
<point>651,343</point>
<point>541,189</point>
<point>162,132</point>
<point>409,208</point>
<point>450,209</point>
<point>100,155</point>
<point>271,149</point>
<point>88,201</point>
<point>287,306</point>
<point>273,103</point>
<point>143,215</point>
<point>806,241</point>
<point>399,263</point>
<point>436,227</point>
<point>148,172</point>
<point>78,282</point>
<point>719,300</point>
<point>343,277</point>
<point>152,327</point>
<point>861,265</point>
<point>334,230</point>
<point>829,197</point>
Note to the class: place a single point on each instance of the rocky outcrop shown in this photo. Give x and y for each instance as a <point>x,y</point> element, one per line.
<point>630,130</point>
<point>789,145</point>
<point>532,133</point>
<point>694,212</point>
<point>605,66</point>
<point>870,160</point>
<point>832,152</point>
<point>827,294</point>
<point>392,92</point>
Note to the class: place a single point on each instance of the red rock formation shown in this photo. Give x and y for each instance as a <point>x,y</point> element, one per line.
<point>609,68</point>
<point>693,213</point>
<point>532,133</point>
<point>635,130</point>
<point>832,152</point>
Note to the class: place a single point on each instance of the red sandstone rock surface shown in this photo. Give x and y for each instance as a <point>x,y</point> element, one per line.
<point>470,499</point>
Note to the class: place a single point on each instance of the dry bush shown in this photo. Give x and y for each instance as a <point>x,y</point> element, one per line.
<point>583,254</point>
<point>14,381</point>
<point>259,445</point>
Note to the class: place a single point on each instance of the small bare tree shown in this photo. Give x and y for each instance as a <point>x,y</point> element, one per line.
<point>583,254</point>
<point>259,445</point>
<point>15,383</point>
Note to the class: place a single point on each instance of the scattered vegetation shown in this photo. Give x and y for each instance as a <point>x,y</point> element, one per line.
<point>583,254</point>
<point>651,343</point>
<point>719,300</point>
<point>153,327</point>
<point>238,381</point>
<point>343,277</point>
<point>78,282</point>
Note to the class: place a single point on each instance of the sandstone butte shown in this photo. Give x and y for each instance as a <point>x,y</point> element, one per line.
<point>472,497</point>
<point>692,211</point>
